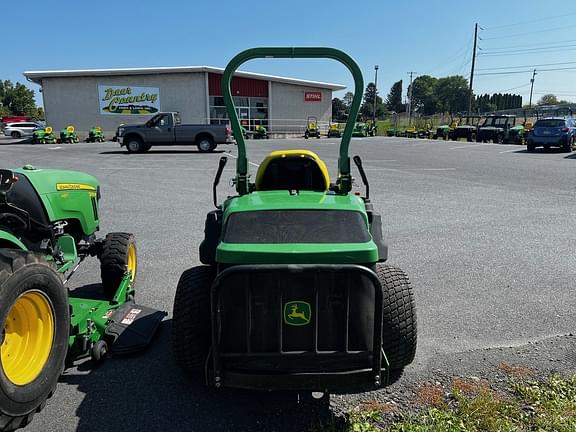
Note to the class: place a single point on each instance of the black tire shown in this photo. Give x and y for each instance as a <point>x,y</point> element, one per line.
<point>118,255</point>
<point>205,144</point>
<point>567,148</point>
<point>16,135</point>
<point>191,325</point>
<point>27,279</point>
<point>134,145</point>
<point>399,330</point>
<point>530,147</point>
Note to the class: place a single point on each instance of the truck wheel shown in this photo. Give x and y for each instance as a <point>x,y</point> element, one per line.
<point>399,332</point>
<point>530,147</point>
<point>35,314</point>
<point>15,135</point>
<point>134,145</point>
<point>205,144</point>
<point>118,255</point>
<point>191,338</point>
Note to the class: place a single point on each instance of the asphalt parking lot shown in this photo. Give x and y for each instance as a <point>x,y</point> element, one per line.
<point>485,232</point>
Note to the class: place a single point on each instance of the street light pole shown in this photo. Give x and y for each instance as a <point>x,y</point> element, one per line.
<point>375,94</point>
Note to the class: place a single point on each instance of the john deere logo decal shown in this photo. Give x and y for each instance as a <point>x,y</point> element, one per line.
<point>297,313</point>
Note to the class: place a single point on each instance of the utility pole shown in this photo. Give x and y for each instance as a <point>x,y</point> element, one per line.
<point>470,96</point>
<point>410,99</point>
<point>375,94</point>
<point>531,88</point>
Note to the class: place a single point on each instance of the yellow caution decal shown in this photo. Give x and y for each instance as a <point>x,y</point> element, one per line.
<point>74,186</point>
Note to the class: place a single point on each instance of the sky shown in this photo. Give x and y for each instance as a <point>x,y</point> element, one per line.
<point>432,37</point>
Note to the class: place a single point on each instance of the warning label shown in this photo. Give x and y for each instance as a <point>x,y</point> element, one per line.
<point>130,316</point>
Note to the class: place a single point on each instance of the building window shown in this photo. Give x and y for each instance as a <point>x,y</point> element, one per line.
<point>252,111</point>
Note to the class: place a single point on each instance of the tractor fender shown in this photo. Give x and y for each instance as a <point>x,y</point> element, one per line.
<point>7,240</point>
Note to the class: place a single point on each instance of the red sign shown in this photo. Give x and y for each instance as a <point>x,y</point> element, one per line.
<point>312,96</point>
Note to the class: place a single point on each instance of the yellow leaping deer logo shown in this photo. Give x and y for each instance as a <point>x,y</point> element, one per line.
<point>297,313</point>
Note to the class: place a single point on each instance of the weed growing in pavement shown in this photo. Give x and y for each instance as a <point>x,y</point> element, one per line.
<point>473,405</point>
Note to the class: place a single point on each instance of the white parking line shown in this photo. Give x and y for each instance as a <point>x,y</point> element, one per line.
<point>510,151</point>
<point>470,145</point>
<point>54,148</point>
<point>251,163</point>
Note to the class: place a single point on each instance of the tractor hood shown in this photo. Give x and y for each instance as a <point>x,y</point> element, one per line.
<point>66,195</point>
<point>283,227</point>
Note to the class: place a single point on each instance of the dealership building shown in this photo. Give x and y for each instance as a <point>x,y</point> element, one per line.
<point>110,97</point>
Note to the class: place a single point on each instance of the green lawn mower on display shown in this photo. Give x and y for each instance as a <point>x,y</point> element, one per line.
<point>294,293</point>
<point>95,134</point>
<point>43,135</point>
<point>48,224</point>
<point>68,135</point>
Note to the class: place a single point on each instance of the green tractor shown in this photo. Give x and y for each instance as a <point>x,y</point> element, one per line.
<point>295,293</point>
<point>48,224</point>
<point>43,135</point>
<point>312,129</point>
<point>360,129</point>
<point>68,135</point>
<point>95,134</point>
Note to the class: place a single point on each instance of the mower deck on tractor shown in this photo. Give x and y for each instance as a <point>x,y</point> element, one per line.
<point>294,293</point>
<point>48,224</point>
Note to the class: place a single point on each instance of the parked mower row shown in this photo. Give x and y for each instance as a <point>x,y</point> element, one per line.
<point>45,135</point>
<point>305,302</point>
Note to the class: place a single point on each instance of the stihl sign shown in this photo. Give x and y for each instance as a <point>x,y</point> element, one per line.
<point>312,96</point>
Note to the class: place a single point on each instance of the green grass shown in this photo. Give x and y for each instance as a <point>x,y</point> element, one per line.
<point>471,406</point>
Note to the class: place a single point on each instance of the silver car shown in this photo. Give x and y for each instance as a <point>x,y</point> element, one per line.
<point>21,129</point>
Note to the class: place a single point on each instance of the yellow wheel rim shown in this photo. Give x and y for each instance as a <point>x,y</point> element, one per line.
<point>27,338</point>
<point>132,261</point>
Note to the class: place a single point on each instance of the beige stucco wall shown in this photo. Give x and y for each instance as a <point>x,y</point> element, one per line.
<point>74,100</point>
<point>289,111</point>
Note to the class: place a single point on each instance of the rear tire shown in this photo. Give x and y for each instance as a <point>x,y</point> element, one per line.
<point>530,147</point>
<point>191,324</point>
<point>399,330</point>
<point>34,309</point>
<point>15,135</point>
<point>118,255</point>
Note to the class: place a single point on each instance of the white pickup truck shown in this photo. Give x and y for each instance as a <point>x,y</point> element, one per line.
<point>166,128</point>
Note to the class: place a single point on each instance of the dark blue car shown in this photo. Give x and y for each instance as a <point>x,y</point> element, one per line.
<point>553,132</point>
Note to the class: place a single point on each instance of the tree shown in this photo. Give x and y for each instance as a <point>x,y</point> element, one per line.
<point>367,107</point>
<point>394,99</point>
<point>17,99</point>
<point>548,99</point>
<point>423,95</point>
<point>338,109</point>
<point>452,94</point>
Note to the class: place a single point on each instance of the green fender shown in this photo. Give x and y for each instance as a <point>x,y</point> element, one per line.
<point>6,237</point>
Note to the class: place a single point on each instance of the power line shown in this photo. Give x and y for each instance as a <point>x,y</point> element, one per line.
<point>529,45</point>
<point>530,21</point>
<point>528,33</point>
<point>527,66</point>
<point>540,49</point>
<point>527,52</point>
<point>528,70</point>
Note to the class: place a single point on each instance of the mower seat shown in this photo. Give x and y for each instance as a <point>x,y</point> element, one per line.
<point>293,170</point>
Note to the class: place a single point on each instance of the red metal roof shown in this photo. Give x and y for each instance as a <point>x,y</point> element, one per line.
<point>240,86</point>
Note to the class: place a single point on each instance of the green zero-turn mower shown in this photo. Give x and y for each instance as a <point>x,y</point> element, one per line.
<point>312,129</point>
<point>294,293</point>
<point>48,224</point>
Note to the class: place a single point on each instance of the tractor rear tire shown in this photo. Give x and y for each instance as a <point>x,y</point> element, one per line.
<point>35,313</point>
<point>118,255</point>
<point>191,324</point>
<point>399,331</point>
